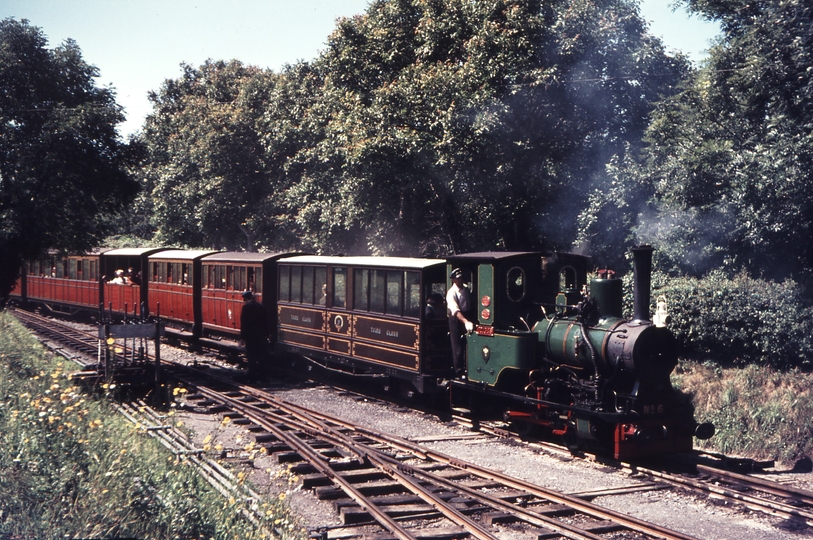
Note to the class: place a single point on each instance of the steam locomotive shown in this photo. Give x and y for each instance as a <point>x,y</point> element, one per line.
<point>548,350</point>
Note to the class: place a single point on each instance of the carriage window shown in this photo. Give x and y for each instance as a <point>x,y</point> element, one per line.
<point>321,285</point>
<point>339,287</point>
<point>187,273</point>
<point>72,268</point>
<point>567,279</point>
<point>361,289</point>
<point>307,285</point>
<point>60,269</point>
<point>252,281</point>
<point>378,291</point>
<point>284,283</point>
<point>393,292</point>
<point>219,277</point>
<point>296,284</point>
<point>412,295</point>
<point>515,284</point>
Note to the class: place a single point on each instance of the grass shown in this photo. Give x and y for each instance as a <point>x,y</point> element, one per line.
<point>758,411</point>
<point>70,467</point>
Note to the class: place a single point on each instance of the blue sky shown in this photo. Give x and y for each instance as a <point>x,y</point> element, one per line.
<point>138,44</point>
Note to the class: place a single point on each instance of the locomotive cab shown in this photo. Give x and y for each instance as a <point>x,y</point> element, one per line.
<point>507,290</point>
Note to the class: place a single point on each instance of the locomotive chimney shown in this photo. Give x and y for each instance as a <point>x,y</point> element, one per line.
<point>642,282</point>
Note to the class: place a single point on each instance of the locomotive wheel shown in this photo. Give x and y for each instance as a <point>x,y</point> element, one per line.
<point>524,428</point>
<point>572,440</point>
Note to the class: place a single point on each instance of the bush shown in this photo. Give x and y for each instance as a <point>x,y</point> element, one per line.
<point>757,411</point>
<point>739,320</point>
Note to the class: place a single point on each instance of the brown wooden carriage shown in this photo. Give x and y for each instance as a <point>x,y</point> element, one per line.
<point>225,277</point>
<point>365,314</point>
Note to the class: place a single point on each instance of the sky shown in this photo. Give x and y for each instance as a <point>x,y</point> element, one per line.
<point>138,44</point>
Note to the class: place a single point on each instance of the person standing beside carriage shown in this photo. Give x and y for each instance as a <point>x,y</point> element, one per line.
<point>254,332</point>
<point>461,314</point>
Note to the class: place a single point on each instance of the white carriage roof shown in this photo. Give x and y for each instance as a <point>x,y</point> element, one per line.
<point>242,256</point>
<point>181,254</point>
<point>132,252</point>
<point>386,262</point>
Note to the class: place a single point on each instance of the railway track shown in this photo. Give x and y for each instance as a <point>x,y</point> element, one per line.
<point>404,488</point>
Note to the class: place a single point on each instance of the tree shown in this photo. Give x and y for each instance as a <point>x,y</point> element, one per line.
<point>729,162</point>
<point>206,173</point>
<point>450,126</point>
<point>62,163</point>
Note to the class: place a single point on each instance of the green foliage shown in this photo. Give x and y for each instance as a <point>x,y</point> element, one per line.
<point>453,126</point>
<point>739,320</point>
<point>205,171</point>
<point>728,163</point>
<point>756,410</point>
<point>71,468</point>
<point>426,127</point>
<point>63,166</point>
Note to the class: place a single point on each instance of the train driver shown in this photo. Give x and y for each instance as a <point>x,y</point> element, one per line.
<point>460,311</point>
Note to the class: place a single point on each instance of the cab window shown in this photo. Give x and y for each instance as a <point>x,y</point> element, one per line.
<point>515,284</point>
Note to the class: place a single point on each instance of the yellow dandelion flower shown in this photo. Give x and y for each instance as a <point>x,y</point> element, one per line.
<point>225,420</point>
<point>171,413</point>
<point>282,496</point>
<point>183,390</point>
<point>241,476</point>
<point>175,391</point>
<point>207,439</point>
<point>178,423</point>
<point>105,386</point>
<point>207,447</point>
<point>219,447</point>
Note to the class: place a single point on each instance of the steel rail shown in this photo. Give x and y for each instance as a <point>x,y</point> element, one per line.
<point>323,431</point>
<point>318,421</point>
<point>574,502</point>
<point>774,508</point>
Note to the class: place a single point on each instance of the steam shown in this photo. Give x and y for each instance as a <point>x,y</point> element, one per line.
<point>693,240</point>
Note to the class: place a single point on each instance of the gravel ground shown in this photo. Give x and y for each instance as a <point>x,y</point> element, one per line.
<point>684,512</point>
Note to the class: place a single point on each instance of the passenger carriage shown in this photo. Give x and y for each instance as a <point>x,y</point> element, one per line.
<point>174,281</point>
<point>225,277</point>
<point>128,297</point>
<point>365,315</point>
<point>69,283</point>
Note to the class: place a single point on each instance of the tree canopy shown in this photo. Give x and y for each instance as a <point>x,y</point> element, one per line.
<point>426,127</point>
<point>725,181</point>
<point>62,163</point>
